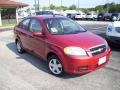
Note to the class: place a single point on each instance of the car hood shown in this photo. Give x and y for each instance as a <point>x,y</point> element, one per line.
<point>84,40</point>
<point>116,24</point>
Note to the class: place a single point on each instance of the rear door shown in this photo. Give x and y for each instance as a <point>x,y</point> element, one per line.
<point>23,32</point>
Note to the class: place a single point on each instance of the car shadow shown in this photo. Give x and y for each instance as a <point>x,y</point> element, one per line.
<point>37,62</point>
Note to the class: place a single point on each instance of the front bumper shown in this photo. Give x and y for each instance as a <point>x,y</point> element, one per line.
<point>114,39</point>
<point>81,65</point>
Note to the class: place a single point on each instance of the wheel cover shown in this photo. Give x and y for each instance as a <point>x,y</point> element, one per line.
<point>55,66</point>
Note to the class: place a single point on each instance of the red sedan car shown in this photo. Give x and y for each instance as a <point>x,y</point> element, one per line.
<point>63,43</point>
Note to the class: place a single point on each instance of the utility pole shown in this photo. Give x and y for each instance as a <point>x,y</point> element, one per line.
<point>78,4</point>
<point>107,6</point>
<point>35,6</point>
<point>38,5</point>
<point>61,3</point>
<point>49,3</point>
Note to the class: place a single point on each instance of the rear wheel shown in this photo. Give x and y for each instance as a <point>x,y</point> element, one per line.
<point>19,47</point>
<point>55,66</point>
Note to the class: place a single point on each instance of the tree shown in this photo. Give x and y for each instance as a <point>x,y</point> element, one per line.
<point>45,8</point>
<point>111,8</point>
<point>64,8</point>
<point>73,7</point>
<point>52,7</point>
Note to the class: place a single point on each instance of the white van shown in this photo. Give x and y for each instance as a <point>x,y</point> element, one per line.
<point>91,16</point>
<point>80,16</point>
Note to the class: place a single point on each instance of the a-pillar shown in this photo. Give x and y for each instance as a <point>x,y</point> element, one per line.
<point>0,18</point>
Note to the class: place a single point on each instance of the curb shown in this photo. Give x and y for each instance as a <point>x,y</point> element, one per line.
<point>6,29</point>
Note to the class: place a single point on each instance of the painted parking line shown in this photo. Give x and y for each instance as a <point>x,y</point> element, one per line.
<point>98,28</point>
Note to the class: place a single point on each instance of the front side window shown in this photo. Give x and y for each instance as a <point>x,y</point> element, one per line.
<point>35,25</point>
<point>63,26</point>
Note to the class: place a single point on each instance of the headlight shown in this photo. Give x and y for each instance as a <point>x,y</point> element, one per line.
<point>109,29</point>
<point>75,51</point>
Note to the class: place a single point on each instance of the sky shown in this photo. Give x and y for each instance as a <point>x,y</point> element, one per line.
<point>82,3</point>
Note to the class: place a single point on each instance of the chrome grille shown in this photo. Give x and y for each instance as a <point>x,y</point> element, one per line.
<point>98,50</point>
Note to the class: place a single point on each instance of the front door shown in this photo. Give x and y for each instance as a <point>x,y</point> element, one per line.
<point>38,43</point>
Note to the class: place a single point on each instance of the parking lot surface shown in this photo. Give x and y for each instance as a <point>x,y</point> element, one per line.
<point>27,72</point>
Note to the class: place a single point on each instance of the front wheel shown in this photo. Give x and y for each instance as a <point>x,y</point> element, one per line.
<point>55,66</point>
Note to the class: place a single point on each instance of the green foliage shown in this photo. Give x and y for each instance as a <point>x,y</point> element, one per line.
<point>73,7</point>
<point>111,7</point>
<point>53,7</point>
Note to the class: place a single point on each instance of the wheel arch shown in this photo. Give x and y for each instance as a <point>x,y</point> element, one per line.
<point>59,57</point>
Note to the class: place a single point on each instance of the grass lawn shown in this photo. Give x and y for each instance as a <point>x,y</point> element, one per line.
<point>7,25</point>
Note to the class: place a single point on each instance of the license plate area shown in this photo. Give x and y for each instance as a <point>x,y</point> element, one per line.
<point>102,60</point>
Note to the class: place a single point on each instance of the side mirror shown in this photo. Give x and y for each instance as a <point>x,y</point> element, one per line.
<point>38,33</point>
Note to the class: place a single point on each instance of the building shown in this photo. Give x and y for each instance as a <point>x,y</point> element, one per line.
<point>10,5</point>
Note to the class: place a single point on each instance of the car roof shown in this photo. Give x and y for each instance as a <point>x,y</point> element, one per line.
<point>47,16</point>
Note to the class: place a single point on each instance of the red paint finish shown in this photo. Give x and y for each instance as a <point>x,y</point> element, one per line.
<point>47,43</point>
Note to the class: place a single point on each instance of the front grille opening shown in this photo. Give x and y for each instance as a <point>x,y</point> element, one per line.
<point>98,50</point>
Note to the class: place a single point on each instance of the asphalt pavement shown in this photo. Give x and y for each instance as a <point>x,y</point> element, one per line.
<point>27,72</point>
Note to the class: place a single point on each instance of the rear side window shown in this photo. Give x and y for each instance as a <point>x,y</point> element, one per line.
<point>24,24</point>
<point>35,25</point>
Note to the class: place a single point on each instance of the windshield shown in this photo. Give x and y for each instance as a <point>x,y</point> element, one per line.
<point>115,15</point>
<point>63,26</point>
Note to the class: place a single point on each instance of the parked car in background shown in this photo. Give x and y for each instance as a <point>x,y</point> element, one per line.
<point>71,16</point>
<point>107,16</point>
<point>114,16</point>
<point>91,16</point>
<point>44,13</point>
<point>63,43</point>
<point>118,19</point>
<point>100,17</point>
<point>113,32</point>
<point>49,12</point>
<point>81,16</point>
<point>22,14</point>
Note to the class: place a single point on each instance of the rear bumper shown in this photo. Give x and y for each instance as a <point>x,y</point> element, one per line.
<point>78,65</point>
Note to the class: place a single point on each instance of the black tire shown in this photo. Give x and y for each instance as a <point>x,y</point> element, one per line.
<point>60,70</point>
<point>19,47</point>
